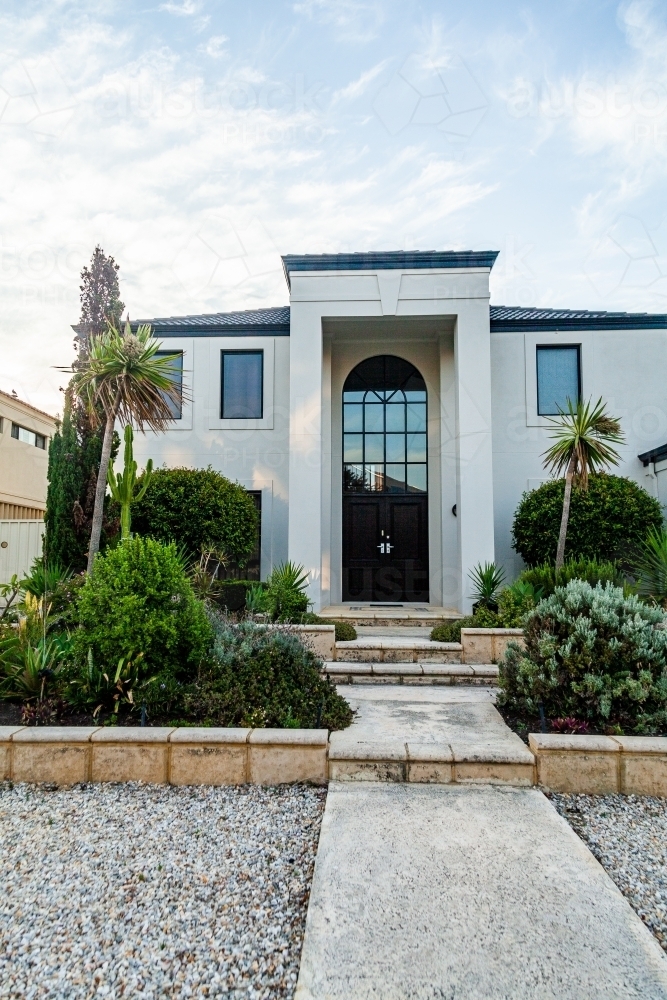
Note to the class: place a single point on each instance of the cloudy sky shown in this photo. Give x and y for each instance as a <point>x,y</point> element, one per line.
<point>196,141</point>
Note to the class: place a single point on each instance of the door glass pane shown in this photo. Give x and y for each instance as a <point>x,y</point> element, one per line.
<point>242,385</point>
<point>396,417</point>
<point>395,479</point>
<point>416,479</point>
<point>395,447</point>
<point>374,476</point>
<point>353,397</point>
<point>374,417</point>
<point>352,448</point>
<point>353,478</point>
<point>416,447</point>
<point>416,396</point>
<point>374,448</point>
<point>416,416</point>
<point>353,417</point>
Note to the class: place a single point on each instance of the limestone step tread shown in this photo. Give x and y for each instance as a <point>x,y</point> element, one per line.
<point>424,669</point>
<point>391,642</point>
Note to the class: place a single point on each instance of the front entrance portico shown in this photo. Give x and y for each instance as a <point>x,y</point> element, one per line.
<point>432,311</point>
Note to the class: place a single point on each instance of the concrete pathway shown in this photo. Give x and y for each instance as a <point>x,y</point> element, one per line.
<point>465,893</point>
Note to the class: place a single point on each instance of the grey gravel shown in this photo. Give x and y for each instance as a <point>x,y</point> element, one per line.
<point>152,891</point>
<point>628,836</point>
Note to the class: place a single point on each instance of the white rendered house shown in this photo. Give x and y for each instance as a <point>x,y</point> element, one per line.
<point>391,418</point>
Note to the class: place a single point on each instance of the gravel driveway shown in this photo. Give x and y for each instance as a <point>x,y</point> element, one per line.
<point>153,891</point>
<point>628,836</point>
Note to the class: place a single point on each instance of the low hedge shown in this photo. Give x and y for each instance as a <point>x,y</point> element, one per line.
<point>592,655</point>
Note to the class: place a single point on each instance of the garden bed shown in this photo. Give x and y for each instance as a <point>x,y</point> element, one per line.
<point>628,836</point>
<point>145,890</point>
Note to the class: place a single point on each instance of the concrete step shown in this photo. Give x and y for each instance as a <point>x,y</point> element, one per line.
<point>425,616</point>
<point>354,672</point>
<point>395,650</point>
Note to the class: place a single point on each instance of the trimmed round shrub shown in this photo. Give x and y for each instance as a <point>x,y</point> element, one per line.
<point>262,677</point>
<point>608,521</point>
<point>451,631</point>
<point>593,655</point>
<point>197,508</point>
<point>139,600</point>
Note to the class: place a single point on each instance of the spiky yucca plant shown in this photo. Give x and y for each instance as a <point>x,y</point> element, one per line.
<point>584,437</point>
<point>124,378</point>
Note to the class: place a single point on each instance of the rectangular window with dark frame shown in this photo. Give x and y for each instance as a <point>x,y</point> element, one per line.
<point>28,437</point>
<point>241,377</point>
<point>558,378</point>
<point>176,408</point>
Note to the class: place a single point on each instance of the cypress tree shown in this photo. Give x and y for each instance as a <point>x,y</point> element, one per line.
<point>74,453</point>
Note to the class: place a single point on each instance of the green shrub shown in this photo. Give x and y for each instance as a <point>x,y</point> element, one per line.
<point>516,601</point>
<point>650,567</point>
<point>594,655</point>
<point>284,597</point>
<point>139,600</point>
<point>451,631</point>
<point>231,594</point>
<point>607,522</point>
<point>546,579</point>
<point>197,508</point>
<point>345,632</point>
<point>263,678</point>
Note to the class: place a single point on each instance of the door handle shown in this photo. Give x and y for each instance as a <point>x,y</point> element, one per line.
<point>390,547</point>
<point>381,548</point>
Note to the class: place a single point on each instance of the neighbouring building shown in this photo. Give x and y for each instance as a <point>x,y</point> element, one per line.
<point>25,433</point>
<point>391,419</point>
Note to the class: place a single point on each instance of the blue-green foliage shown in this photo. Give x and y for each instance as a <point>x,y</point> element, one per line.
<point>594,654</point>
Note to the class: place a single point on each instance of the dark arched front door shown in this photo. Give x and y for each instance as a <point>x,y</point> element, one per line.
<point>385,483</point>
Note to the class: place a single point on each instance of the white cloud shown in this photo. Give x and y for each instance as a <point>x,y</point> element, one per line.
<point>215,46</point>
<point>356,88</point>
<point>354,20</point>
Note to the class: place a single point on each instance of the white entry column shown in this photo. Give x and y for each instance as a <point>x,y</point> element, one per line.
<point>305,444</point>
<point>474,456</point>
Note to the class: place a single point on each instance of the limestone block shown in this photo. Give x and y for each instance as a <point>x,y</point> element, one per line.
<point>447,669</point>
<point>281,756</point>
<point>441,653</point>
<point>132,753</point>
<point>585,764</point>
<point>429,763</point>
<point>202,756</point>
<point>358,652</point>
<point>367,770</point>
<point>487,645</point>
<point>59,754</point>
<point>6,733</point>
<point>494,773</point>
<point>320,638</point>
<point>398,654</point>
<point>643,765</point>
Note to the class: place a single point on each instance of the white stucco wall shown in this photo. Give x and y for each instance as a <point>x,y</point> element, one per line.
<point>255,456</point>
<point>626,368</point>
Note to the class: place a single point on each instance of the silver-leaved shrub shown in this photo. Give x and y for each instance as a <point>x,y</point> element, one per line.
<point>594,654</point>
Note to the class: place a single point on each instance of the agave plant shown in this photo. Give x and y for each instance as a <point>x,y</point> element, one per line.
<point>44,577</point>
<point>487,580</point>
<point>34,669</point>
<point>285,595</point>
<point>651,567</point>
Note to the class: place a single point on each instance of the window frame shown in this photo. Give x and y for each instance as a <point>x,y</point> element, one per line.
<point>226,352</point>
<point>555,347</point>
<point>173,353</point>
<point>584,340</point>
<point>36,434</point>
<point>242,343</point>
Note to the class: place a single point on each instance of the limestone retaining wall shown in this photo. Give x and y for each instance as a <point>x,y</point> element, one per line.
<point>487,645</point>
<point>66,755</point>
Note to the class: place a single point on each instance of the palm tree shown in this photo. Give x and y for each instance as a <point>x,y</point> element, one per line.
<point>584,436</point>
<point>122,377</point>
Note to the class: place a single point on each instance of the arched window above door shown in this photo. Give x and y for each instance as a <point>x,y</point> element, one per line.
<point>384,428</point>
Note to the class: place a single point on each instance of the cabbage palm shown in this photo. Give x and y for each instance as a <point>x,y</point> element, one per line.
<point>122,377</point>
<point>584,438</point>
